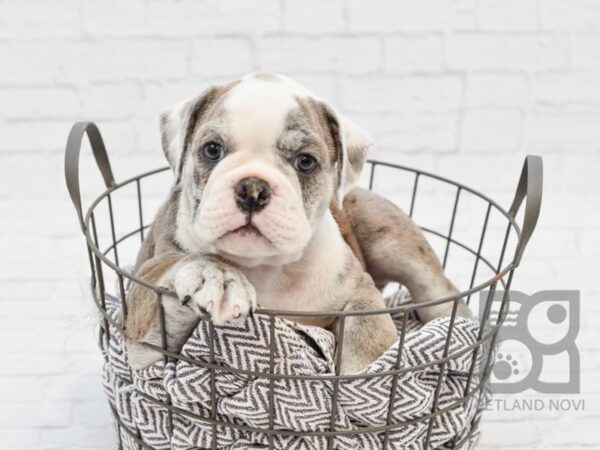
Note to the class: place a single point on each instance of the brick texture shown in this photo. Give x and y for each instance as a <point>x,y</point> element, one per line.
<point>463,88</point>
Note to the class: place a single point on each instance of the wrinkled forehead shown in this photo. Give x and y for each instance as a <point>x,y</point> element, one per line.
<point>259,108</point>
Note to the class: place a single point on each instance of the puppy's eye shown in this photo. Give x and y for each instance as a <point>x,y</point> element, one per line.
<point>305,163</point>
<point>213,151</point>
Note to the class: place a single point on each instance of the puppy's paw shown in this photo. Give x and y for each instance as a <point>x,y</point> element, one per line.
<point>215,288</point>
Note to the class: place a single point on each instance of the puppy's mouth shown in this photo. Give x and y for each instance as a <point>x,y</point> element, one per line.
<point>247,230</point>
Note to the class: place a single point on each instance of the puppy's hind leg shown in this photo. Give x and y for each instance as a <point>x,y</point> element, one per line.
<point>395,249</point>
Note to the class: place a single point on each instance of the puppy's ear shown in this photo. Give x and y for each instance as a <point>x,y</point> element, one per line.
<point>356,142</point>
<point>352,143</point>
<point>177,125</point>
<point>173,126</point>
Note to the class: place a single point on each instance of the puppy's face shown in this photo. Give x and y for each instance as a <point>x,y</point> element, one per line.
<point>257,164</point>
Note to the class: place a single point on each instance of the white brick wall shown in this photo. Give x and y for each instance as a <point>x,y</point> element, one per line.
<point>464,88</point>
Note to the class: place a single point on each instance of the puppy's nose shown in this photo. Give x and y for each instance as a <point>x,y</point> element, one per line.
<point>252,194</point>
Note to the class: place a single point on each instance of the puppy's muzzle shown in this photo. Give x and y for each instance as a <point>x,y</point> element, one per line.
<point>252,194</point>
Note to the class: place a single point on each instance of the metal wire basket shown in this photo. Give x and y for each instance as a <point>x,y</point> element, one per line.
<point>482,265</point>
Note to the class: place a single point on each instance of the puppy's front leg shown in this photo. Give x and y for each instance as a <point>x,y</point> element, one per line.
<point>395,249</point>
<point>203,284</point>
<point>365,338</point>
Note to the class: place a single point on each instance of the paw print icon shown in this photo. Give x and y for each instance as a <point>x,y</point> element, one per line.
<point>505,366</point>
<point>536,346</point>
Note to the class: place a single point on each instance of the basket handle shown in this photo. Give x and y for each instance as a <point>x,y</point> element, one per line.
<point>72,152</point>
<point>530,186</point>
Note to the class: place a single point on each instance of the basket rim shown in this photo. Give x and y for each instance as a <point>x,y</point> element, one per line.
<point>501,271</point>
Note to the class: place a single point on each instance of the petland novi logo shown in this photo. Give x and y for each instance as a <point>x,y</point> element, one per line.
<point>535,347</point>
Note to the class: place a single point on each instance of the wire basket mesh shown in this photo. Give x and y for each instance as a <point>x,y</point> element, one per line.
<point>479,243</point>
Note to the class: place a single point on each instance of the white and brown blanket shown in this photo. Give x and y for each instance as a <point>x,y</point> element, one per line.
<point>299,405</point>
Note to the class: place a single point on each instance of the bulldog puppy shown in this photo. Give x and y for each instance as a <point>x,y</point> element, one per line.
<point>263,210</point>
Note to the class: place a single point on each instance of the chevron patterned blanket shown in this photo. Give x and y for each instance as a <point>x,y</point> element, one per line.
<point>299,405</point>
